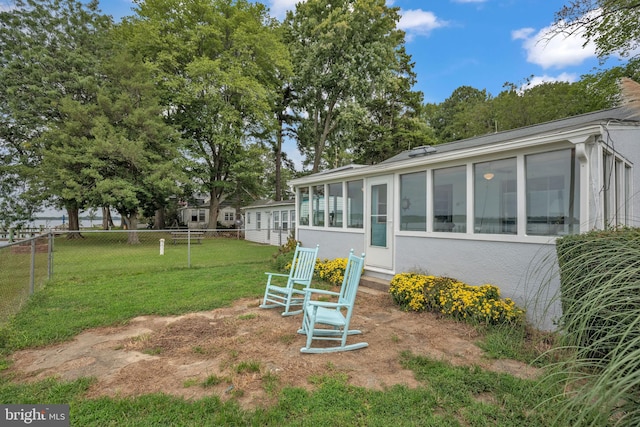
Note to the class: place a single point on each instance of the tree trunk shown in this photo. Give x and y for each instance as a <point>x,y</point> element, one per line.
<point>131,222</point>
<point>214,207</point>
<point>107,221</point>
<point>74,223</point>
<point>158,219</point>
<point>278,195</point>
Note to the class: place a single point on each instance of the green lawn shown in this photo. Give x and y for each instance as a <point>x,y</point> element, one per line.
<point>105,282</point>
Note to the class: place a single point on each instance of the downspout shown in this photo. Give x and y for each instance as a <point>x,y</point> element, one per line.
<point>583,159</point>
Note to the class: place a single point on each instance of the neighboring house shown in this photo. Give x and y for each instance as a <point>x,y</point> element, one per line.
<point>196,215</point>
<point>481,210</point>
<point>268,221</point>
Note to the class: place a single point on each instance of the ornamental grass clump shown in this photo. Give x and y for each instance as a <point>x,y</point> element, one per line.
<point>477,304</point>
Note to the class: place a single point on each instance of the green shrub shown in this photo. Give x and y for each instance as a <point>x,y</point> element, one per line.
<point>284,256</point>
<point>478,304</point>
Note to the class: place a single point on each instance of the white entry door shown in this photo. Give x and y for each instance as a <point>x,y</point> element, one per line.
<point>380,227</point>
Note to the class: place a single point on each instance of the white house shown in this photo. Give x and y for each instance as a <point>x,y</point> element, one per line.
<point>270,222</point>
<point>482,210</point>
<point>196,215</point>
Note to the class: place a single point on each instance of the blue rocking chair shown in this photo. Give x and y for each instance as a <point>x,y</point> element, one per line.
<point>299,278</point>
<point>329,321</point>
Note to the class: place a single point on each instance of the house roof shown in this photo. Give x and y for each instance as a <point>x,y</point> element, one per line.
<point>563,129</point>
<point>602,117</point>
<point>267,203</point>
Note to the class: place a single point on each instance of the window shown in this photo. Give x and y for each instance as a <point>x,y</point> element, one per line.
<point>616,183</point>
<point>293,217</point>
<point>413,201</point>
<point>258,221</point>
<point>285,220</point>
<point>317,214</point>
<point>379,215</point>
<point>229,216</point>
<point>194,215</point>
<point>248,218</point>
<point>450,199</point>
<point>202,215</point>
<point>495,197</point>
<point>553,193</point>
<point>355,204</point>
<point>303,207</point>
<point>335,205</point>
<point>276,220</point>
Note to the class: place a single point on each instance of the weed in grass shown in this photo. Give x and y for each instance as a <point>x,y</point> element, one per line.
<point>518,343</point>
<point>248,366</point>
<point>234,354</point>
<point>395,338</point>
<point>198,350</point>
<point>270,383</point>
<point>334,378</point>
<point>287,338</point>
<point>248,316</point>
<point>152,351</point>
<point>190,382</point>
<point>141,338</point>
<point>211,381</point>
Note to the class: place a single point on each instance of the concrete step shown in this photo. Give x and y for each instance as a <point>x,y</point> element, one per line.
<point>374,283</point>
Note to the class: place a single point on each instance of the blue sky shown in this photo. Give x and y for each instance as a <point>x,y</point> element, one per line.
<point>478,43</point>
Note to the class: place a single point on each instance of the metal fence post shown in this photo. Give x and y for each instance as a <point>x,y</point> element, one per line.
<point>189,248</point>
<point>32,272</point>
<point>50,256</point>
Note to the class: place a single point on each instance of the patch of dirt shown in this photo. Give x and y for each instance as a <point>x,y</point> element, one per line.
<point>243,352</point>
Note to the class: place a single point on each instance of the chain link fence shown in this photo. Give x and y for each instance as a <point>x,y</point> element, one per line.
<point>26,266</point>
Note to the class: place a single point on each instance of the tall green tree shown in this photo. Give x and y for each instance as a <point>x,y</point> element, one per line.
<point>341,50</point>
<point>392,120</point>
<point>48,50</point>
<point>116,150</point>
<point>611,24</point>
<point>217,62</point>
<point>466,113</point>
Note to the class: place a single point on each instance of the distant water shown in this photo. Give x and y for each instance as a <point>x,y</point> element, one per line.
<point>54,222</point>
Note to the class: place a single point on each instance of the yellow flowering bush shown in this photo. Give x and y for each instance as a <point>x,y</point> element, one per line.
<point>331,271</point>
<point>453,298</point>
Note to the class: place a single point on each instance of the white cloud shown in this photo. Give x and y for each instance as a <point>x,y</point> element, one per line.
<point>522,33</point>
<point>419,22</point>
<point>551,49</point>
<point>538,80</point>
<point>278,8</point>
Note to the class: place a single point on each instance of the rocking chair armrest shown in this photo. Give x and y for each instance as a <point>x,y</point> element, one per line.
<point>277,274</point>
<point>325,304</point>
<point>321,291</point>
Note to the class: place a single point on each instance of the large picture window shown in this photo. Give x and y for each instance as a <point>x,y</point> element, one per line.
<point>303,206</point>
<point>355,204</point>
<point>317,213</point>
<point>450,199</point>
<point>413,201</point>
<point>553,190</point>
<point>495,197</point>
<point>336,204</point>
